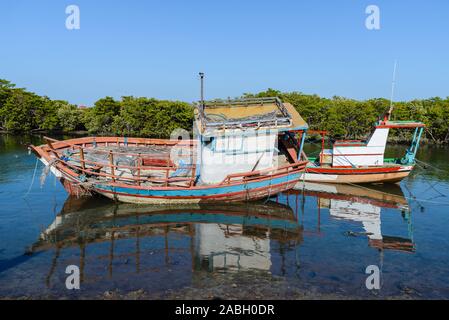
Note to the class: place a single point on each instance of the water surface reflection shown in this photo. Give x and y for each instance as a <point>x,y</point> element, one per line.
<point>315,240</point>
<point>363,204</point>
<point>227,237</point>
<point>159,248</point>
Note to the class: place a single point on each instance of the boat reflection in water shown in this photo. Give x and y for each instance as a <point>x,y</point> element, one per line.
<point>222,237</point>
<point>364,205</point>
<point>160,247</point>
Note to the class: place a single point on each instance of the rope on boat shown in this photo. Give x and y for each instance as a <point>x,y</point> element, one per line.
<point>87,186</point>
<point>419,199</point>
<point>406,197</point>
<point>409,198</point>
<point>46,170</point>
<point>269,190</point>
<point>434,184</point>
<point>428,201</point>
<point>428,164</point>
<point>32,180</point>
<point>413,197</point>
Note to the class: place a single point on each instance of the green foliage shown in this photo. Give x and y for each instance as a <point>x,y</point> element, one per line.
<point>353,119</point>
<point>134,115</point>
<point>152,118</point>
<point>18,113</point>
<point>45,114</point>
<point>69,116</point>
<point>168,116</point>
<point>22,111</point>
<point>100,117</point>
<point>5,91</point>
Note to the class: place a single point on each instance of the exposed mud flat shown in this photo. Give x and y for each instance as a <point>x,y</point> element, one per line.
<point>235,288</point>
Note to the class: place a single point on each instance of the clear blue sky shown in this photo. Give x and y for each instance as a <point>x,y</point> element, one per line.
<point>156,48</point>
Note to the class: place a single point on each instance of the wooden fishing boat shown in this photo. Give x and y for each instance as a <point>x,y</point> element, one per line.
<point>357,161</point>
<point>233,157</point>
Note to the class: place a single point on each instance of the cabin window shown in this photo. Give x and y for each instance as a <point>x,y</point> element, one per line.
<point>209,142</point>
<point>235,143</point>
<point>228,144</point>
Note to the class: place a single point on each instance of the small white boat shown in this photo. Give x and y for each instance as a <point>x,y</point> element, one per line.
<point>357,161</point>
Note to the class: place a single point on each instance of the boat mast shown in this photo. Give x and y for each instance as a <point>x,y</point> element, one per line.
<point>393,82</point>
<point>202,89</point>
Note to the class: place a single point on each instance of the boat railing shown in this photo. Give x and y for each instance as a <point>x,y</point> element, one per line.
<point>254,175</point>
<point>116,141</point>
<point>110,170</point>
<point>323,134</point>
<point>94,168</point>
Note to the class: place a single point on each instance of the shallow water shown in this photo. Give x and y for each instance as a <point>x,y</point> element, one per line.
<point>316,239</point>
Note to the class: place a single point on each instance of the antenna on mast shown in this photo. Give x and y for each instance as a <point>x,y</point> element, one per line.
<point>393,82</point>
<point>202,89</point>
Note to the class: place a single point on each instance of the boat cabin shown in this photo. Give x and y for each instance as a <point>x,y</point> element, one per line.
<point>237,136</point>
<point>358,153</point>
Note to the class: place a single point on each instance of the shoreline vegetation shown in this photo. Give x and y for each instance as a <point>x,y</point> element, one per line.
<point>22,112</point>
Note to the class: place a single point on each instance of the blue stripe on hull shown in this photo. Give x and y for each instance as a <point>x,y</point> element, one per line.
<point>193,192</point>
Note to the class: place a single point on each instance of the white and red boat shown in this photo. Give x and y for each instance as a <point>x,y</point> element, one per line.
<point>357,161</point>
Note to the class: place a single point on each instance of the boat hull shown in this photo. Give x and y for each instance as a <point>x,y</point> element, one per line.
<point>261,187</point>
<point>383,174</point>
<point>235,193</point>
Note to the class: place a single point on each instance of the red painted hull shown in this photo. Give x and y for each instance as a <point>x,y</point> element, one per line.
<point>379,174</point>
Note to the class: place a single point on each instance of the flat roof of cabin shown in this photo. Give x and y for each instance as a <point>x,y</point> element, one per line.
<point>400,124</point>
<point>246,113</point>
<point>298,122</point>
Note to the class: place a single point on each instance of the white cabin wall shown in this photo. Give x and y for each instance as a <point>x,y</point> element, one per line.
<point>357,156</point>
<point>379,138</point>
<point>236,153</point>
<point>371,154</point>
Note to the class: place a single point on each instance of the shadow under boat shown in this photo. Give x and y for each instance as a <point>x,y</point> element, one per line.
<point>363,204</point>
